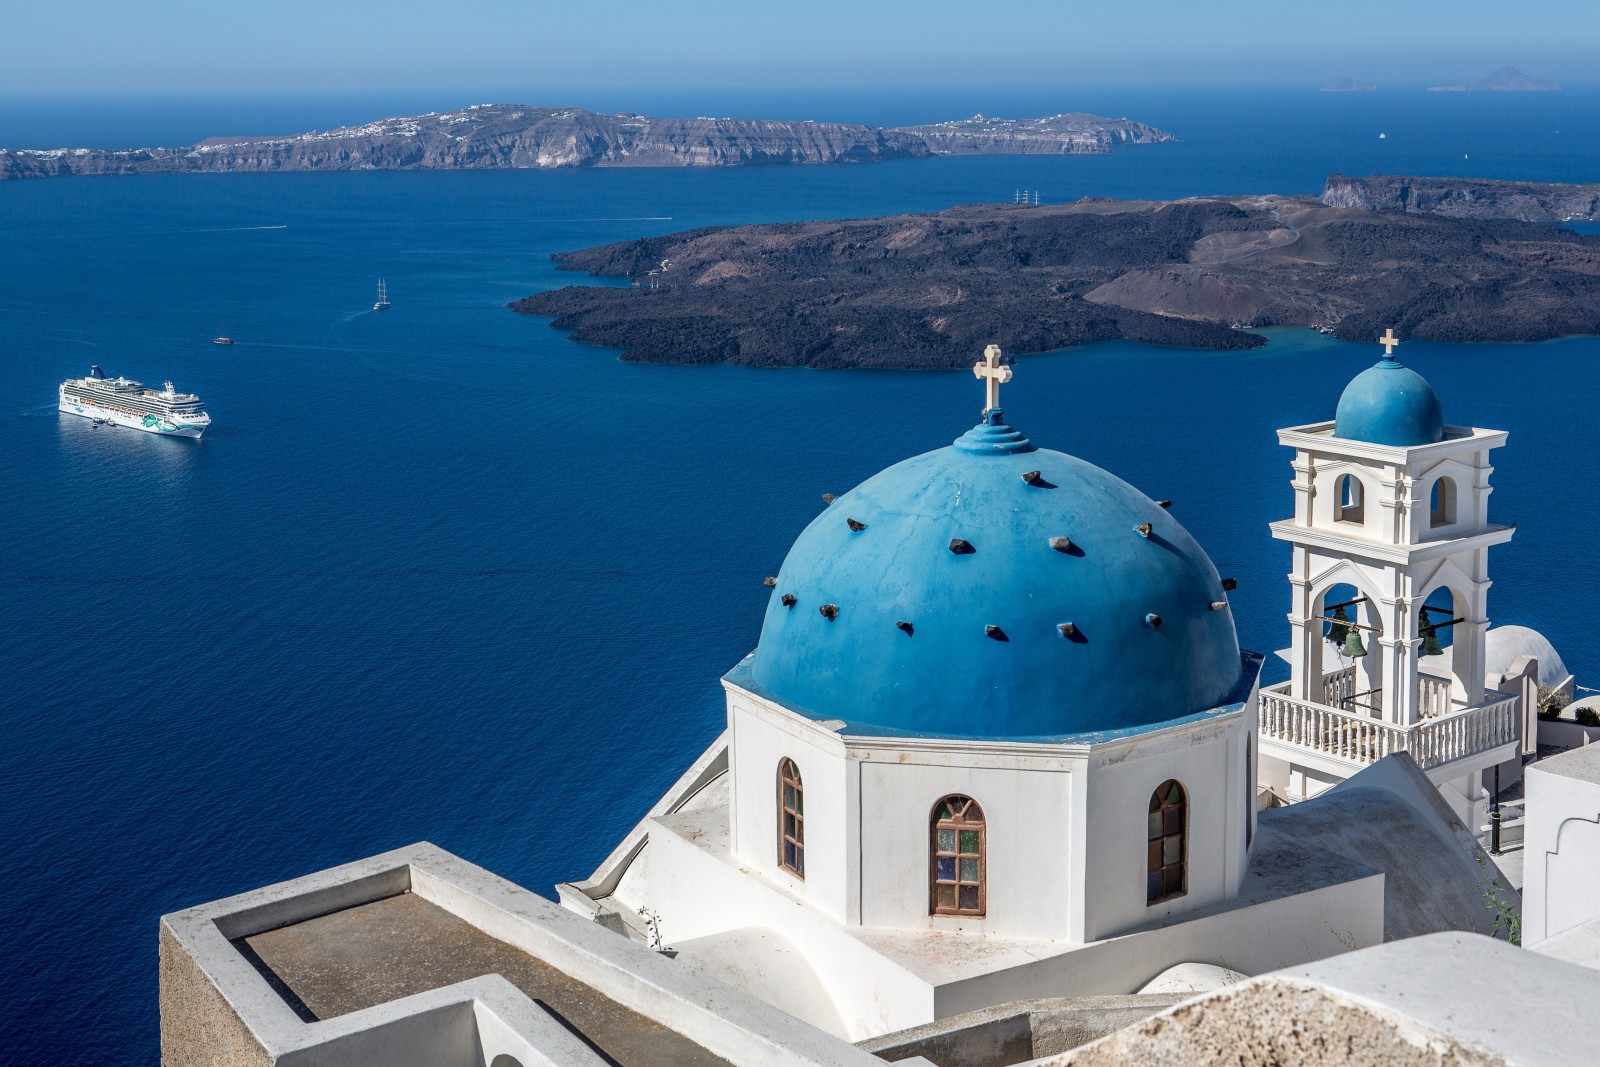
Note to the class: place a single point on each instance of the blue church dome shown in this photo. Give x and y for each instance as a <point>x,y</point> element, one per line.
<point>1389,404</point>
<point>992,589</point>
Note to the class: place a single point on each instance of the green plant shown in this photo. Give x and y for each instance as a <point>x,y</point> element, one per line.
<point>1587,717</point>
<point>1505,920</point>
<point>1550,712</point>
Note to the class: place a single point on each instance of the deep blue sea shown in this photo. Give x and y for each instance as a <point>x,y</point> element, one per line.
<point>441,574</point>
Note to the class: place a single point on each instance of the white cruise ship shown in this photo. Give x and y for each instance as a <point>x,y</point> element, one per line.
<point>123,402</point>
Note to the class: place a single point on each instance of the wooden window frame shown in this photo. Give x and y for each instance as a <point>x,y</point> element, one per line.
<point>966,817</point>
<point>789,778</point>
<point>1159,830</point>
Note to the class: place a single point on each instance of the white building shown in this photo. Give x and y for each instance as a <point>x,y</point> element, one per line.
<point>997,722</point>
<point>1391,530</point>
<point>989,778</point>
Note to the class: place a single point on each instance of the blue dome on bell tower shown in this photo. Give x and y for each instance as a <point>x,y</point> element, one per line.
<point>1389,404</point>
<point>994,589</point>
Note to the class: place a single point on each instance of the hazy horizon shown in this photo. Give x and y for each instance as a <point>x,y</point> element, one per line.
<point>190,46</point>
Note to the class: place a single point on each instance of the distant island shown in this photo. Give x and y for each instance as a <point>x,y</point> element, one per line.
<point>1347,85</point>
<point>1466,198</point>
<point>1504,80</point>
<point>503,136</point>
<point>918,291</point>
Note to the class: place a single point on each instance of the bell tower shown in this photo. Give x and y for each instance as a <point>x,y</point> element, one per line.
<point>1390,540</point>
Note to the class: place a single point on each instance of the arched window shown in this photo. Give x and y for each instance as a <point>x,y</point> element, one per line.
<point>1442,507</point>
<point>956,880</point>
<point>791,819</point>
<point>1169,816</point>
<point>1347,499</point>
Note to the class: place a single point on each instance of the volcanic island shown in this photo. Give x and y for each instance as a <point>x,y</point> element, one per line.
<point>1434,258</point>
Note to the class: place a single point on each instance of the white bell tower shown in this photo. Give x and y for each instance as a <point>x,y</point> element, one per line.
<point>1392,504</point>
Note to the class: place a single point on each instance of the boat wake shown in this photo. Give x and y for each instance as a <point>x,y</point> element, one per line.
<point>236,229</point>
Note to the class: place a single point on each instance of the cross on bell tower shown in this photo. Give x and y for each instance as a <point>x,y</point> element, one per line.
<point>995,374</point>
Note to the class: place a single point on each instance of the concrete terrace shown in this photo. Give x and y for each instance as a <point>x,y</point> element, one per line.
<point>398,946</point>
<point>416,958</point>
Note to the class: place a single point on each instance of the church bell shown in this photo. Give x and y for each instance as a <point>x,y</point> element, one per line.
<point>1338,629</point>
<point>1430,642</point>
<point>1353,648</point>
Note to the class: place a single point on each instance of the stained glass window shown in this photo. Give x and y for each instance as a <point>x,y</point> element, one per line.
<point>1166,851</point>
<point>791,819</point>
<point>956,882</point>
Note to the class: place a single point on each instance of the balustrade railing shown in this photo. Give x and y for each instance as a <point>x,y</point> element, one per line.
<point>1338,687</point>
<point>1360,739</point>
<point>1433,696</point>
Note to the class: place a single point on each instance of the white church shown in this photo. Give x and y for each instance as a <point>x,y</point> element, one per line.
<point>997,745</point>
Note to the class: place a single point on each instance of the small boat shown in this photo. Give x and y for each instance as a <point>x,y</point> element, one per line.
<point>382,303</point>
<point>224,339</point>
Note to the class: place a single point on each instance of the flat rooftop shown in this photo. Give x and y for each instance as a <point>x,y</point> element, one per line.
<point>398,946</point>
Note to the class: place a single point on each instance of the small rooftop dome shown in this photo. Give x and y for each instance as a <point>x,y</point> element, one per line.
<point>1504,645</point>
<point>1389,404</point>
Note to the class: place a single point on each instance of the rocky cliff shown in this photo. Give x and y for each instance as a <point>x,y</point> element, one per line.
<point>1465,198</point>
<point>1056,135</point>
<point>930,290</point>
<point>493,136</point>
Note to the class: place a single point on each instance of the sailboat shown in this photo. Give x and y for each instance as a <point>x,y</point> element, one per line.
<point>383,296</point>
<point>222,338</point>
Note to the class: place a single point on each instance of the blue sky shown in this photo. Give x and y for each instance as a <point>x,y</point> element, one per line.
<point>165,45</point>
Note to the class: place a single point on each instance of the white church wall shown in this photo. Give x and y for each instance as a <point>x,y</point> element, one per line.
<point>696,892</point>
<point>1252,939</point>
<point>1561,844</point>
<point>1028,836</point>
<point>1207,759</point>
<point>763,736</point>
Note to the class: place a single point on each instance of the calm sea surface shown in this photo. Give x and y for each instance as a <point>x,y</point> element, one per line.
<point>440,574</point>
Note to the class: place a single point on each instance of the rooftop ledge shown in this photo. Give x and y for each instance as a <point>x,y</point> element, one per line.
<point>1320,436</point>
<point>355,961</point>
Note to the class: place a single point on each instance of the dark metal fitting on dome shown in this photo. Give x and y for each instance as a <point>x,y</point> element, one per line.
<point>1229,584</point>
<point>1152,620</point>
<point>1164,503</point>
<point>829,611</point>
<point>1033,477</point>
<point>769,581</point>
<point>906,626</point>
<point>995,632</point>
<point>961,547</point>
<point>1061,544</point>
<point>827,498</point>
<point>1218,605</point>
<point>1067,629</point>
<point>855,524</point>
<point>1144,529</point>
<point>787,600</point>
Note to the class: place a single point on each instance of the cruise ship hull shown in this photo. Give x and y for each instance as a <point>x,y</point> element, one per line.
<point>150,423</point>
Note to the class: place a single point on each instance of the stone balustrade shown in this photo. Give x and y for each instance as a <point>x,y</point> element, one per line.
<point>1360,739</point>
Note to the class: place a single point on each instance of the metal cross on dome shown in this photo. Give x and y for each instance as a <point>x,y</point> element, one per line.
<point>996,374</point>
<point>1388,341</point>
